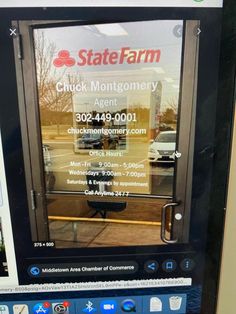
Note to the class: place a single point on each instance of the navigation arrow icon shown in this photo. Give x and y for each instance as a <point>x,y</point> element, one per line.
<point>199,31</point>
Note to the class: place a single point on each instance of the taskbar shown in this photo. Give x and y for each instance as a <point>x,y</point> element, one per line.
<point>164,303</point>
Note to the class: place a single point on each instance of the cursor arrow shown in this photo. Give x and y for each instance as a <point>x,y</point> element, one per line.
<point>178,154</point>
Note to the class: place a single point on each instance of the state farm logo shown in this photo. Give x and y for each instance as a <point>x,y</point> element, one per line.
<point>89,57</point>
<point>64,59</point>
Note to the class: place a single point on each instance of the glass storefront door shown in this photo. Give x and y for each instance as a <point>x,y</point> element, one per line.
<point>108,122</point>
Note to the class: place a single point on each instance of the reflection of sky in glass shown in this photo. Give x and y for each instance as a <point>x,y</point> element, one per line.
<point>136,35</point>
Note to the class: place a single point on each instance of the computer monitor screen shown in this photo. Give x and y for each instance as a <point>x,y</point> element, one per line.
<point>108,120</point>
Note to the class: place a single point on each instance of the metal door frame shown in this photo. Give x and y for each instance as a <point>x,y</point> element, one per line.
<point>188,101</point>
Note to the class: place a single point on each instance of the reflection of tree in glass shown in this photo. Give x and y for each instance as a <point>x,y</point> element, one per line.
<point>169,116</point>
<point>55,107</point>
<point>173,104</point>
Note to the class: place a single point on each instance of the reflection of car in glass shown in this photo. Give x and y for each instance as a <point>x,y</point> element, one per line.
<point>122,141</point>
<point>90,141</point>
<point>97,141</point>
<point>165,127</point>
<point>113,141</point>
<point>162,149</point>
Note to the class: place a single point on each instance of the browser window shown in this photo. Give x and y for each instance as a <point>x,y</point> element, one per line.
<point>106,155</point>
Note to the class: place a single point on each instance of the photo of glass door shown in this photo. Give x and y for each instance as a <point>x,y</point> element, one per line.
<point>107,119</point>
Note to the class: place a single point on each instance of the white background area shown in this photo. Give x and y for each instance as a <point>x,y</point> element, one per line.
<point>7,228</point>
<point>126,3</point>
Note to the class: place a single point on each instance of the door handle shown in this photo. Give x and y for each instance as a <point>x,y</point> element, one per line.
<point>163,223</point>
